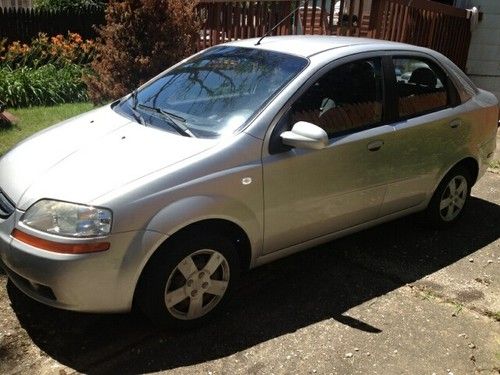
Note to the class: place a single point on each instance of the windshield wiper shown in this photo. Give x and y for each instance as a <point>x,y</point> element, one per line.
<point>177,122</point>
<point>135,101</point>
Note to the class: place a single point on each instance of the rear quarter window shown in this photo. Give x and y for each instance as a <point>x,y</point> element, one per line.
<point>465,87</point>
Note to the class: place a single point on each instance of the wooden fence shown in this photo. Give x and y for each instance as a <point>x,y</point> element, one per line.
<point>421,22</point>
<point>25,24</point>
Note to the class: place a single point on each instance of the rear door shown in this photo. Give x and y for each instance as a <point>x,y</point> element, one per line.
<point>428,131</point>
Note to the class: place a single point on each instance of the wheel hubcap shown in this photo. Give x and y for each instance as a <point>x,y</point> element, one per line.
<point>197,284</point>
<point>453,198</point>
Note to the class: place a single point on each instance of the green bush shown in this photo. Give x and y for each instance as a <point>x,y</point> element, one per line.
<point>47,71</point>
<point>45,85</point>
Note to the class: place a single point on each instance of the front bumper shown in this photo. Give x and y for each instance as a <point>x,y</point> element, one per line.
<point>96,282</point>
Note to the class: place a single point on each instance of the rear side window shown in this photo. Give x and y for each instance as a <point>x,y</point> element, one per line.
<point>421,86</point>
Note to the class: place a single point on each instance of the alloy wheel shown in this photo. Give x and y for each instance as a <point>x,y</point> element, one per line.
<point>197,284</point>
<point>453,198</point>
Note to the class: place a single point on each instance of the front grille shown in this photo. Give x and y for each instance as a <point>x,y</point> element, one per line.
<point>6,206</point>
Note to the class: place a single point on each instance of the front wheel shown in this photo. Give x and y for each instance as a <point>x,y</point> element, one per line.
<point>450,198</point>
<point>189,281</point>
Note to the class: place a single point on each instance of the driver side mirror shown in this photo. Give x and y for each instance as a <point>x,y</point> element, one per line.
<point>305,135</point>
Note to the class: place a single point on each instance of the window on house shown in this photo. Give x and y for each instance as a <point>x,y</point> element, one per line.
<point>464,4</point>
<point>446,2</point>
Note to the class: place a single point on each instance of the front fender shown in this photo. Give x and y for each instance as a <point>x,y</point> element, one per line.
<point>189,210</point>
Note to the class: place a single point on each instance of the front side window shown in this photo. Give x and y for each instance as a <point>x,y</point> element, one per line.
<point>346,98</point>
<point>215,92</point>
<point>421,86</point>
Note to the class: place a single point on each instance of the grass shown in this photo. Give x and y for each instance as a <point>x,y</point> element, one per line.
<point>494,315</point>
<point>34,119</point>
<point>428,295</point>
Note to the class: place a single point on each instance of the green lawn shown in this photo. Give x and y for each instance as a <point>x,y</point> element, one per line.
<point>34,119</point>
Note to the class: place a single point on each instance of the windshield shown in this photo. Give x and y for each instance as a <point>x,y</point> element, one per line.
<point>213,93</point>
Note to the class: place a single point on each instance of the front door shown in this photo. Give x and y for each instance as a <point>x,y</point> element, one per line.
<point>312,193</point>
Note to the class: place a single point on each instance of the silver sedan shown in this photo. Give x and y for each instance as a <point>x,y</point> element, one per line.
<point>240,155</point>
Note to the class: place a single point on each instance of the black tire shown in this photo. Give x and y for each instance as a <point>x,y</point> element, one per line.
<point>163,275</point>
<point>440,217</point>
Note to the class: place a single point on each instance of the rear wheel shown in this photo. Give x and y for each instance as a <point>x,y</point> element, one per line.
<point>189,281</point>
<point>450,198</point>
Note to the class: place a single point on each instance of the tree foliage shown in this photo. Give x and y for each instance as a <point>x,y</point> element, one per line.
<point>140,39</point>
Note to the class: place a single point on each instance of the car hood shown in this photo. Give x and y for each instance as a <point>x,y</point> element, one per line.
<point>88,156</point>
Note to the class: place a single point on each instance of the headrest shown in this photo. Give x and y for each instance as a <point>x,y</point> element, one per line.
<point>424,77</point>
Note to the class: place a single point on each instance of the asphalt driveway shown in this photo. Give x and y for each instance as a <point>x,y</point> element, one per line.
<point>396,299</point>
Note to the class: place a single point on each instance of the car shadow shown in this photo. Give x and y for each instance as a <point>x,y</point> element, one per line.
<point>273,300</point>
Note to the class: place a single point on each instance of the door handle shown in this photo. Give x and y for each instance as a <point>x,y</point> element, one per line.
<point>375,145</point>
<point>455,123</point>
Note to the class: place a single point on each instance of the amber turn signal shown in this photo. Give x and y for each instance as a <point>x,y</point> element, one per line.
<point>58,247</point>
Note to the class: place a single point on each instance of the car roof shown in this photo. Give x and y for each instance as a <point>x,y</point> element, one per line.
<point>309,45</point>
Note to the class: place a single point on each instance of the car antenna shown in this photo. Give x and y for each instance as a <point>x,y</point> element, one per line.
<point>280,22</point>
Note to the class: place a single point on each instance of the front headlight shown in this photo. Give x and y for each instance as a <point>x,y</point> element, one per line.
<point>68,219</point>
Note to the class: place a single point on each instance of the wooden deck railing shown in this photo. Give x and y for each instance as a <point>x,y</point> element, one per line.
<point>424,23</point>
<point>225,20</point>
<point>421,22</point>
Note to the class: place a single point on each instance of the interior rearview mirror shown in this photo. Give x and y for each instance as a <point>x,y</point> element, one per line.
<point>305,135</point>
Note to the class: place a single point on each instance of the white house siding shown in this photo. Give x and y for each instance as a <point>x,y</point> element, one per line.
<point>483,64</point>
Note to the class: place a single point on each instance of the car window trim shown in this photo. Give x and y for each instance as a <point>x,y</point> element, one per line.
<point>391,95</point>
<point>453,92</point>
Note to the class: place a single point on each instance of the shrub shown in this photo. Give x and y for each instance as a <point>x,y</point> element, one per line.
<point>58,50</point>
<point>45,85</point>
<point>141,38</point>
<point>45,72</point>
